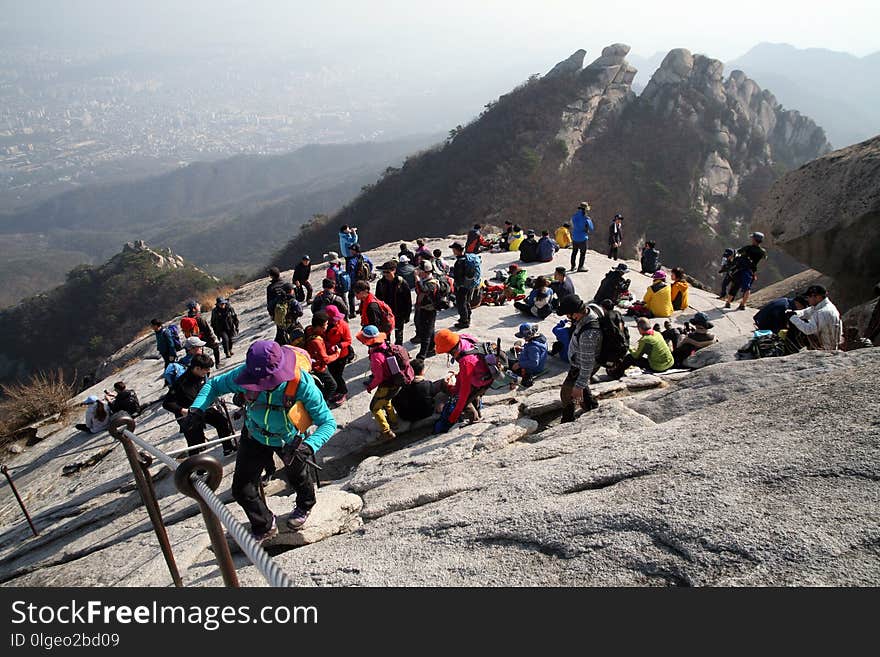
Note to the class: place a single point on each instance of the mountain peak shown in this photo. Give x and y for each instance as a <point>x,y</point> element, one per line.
<point>569,66</point>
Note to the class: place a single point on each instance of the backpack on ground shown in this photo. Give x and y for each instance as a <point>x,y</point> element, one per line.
<point>766,344</point>
<point>173,334</point>
<point>493,355</point>
<point>397,360</point>
<point>472,270</point>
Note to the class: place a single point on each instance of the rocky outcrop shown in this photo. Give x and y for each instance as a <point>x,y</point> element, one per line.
<point>827,214</point>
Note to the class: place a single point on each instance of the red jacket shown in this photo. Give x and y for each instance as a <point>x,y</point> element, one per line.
<point>317,348</point>
<point>372,313</point>
<point>339,334</point>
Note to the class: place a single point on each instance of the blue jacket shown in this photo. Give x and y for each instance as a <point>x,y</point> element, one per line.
<point>266,418</point>
<point>546,249</point>
<point>581,227</point>
<point>562,331</point>
<point>533,357</point>
<point>346,240</point>
<point>164,344</point>
<point>772,316</point>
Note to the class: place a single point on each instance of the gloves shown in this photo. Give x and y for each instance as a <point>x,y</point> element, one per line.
<point>193,420</point>
<point>301,452</point>
<point>442,425</point>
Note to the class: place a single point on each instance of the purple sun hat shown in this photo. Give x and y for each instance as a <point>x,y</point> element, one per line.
<point>267,366</point>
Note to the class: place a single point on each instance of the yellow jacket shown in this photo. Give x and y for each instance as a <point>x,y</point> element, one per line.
<point>515,240</point>
<point>679,288</point>
<point>563,237</point>
<point>659,302</point>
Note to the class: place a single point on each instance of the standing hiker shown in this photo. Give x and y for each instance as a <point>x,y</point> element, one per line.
<point>224,321</point>
<point>465,277</point>
<point>322,353</point>
<point>745,270</point>
<point>338,337</point>
<point>583,350</point>
<point>274,290</point>
<point>581,227</point>
<point>395,292</point>
<point>391,370</point>
<point>301,274</point>
<point>348,237</point>
<point>427,301</point>
<point>615,236</point>
<point>168,341</point>
<point>194,311</point>
<point>288,310</point>
<point>360,269</point>
<point>372,310</point>
<point>328,297</point>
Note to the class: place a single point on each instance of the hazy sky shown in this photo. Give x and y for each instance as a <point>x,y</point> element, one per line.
<point>541,31</point>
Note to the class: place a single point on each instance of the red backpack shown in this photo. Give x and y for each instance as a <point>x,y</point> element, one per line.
<point>398,364</point>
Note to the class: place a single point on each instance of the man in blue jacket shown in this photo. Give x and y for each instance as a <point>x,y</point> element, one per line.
<point>581,227</point>
<point>348,237</point>
<point>547,248</point>
<point>269,430</point>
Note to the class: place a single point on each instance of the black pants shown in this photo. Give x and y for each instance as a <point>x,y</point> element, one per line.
<point>399,321</point>
<point>463,305</point>
<point>425,321</point>
<point>226,341</point>
<point>628,360</point>
<point>216,419</point>
<point>612,251</point>
<point>351,302</point>
<point>216,349</point>
<point>336,369</point>
<point>567,400</point>
<point>328,383</point>
<point>253,458</point>
<point>578,247</point>
<point>309,290</point>
<point>169,358</point>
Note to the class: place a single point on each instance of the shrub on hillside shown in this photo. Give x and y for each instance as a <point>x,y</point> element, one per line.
<point>45,394</point>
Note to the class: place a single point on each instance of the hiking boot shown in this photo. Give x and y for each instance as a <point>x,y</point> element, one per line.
<point>567,414</point>
<point>740,307</point>
<point>583,269</point>
<point>415,340</point>
<point>387,436</point>
<point>727,304</point>
<point>460,325</point>
<point>269,533</point>
<point>298,518</point>
<point>227,451</point>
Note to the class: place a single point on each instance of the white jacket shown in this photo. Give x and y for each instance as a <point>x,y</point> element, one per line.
<point>822,321</point>
<point>94,424</point>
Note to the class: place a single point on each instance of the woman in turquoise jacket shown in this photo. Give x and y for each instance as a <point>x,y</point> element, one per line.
<point>269,429</point>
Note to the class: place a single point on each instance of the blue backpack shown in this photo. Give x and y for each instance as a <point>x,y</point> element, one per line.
<point>473,269</point>
<point>343,282</point>
<point>174,333</point>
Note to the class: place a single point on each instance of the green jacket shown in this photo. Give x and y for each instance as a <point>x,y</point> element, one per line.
<point>266,418</point>
<point>654,346</point>
<point>517,282</point>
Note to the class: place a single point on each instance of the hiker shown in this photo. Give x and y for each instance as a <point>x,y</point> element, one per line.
<point>224,321</point>
<point>547,248</point>
<point>405,252</point>
<point>504,241</point>
<point>581,227</point>
<point>727,270</point>
<point>465,277</point>
<point>288,310</point>
<point>439,266</point>
<point>672,334</point>
<point>515,284</point>
<point>699,338</point>
<point>338,337</point>
<point>123,399</point>
<point>561,285</point>
<point>538,303</point>
<point>97,415</point>
<point>650,258</point>
<point>651,352</point>
<point>384,381</point>
<point>678,291</point>
<point>205,333</point>
<point>322,354</point>
<point>563,236</point>
<point>773,316</point>
<point>528,248</point>
<point>172,373</point>
<point>191,346</point>
<point>583,351</point>
<point>168,341</point>
<point>395,292</point>
<point>282,402</point>
<point>821,321</point>
<point>615,236</point>
<point>471,382</point>
<point>180,398</point>
<point>532,357</point>
<point>407,271</point>
<point>415,401</point>
<point>613,285</point>
<point>745,270</point>
<point>562,333</point>
<point>328,297</point>
<point>360,269</point>
<point>301,274</point>
<point>273,290</point>
<point>422,252</point>
<point>658,296</point>
<point>348,237</point>
<point>372,310</point>
<point>427,302</point>
<point>475,241</point>
<point>515,239</point>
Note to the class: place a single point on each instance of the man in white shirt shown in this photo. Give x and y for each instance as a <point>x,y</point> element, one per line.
<point>821,320</point>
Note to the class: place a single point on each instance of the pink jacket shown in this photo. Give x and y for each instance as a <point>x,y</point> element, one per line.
<point>379,369</point>
<point>472,373</point>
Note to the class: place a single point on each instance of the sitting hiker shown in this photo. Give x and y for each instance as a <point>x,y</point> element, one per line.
<point>440,266</point>
<point>774,315</point>
<point>615,318</point>
<point>415,401</point>
<point>561,285</point>
<point>282,403</point>
<point>327,297</point>
<point>515,238</point>
<point>821,321</point>
<point>97,415</point>
<point>383,380</point>
<point>471,382</point>
<point>537,304</point>
<point>650,258</point>
<point>679,289</point>
<point>515,285</point>
<point>322,354</point>
<point>180,398</point>
<point>583,351</point>
<point>613,285</point>
<point>475,241</point>
<point>528,248</point>
<point>658,296</point>
<point>651,352</point>
<point>563,236</point>
<point>695,340</point>
<point>562,332</point>
<point>532,357</point>
<point>672,334</point>
<point>547,248</point>
<point>124,399</point>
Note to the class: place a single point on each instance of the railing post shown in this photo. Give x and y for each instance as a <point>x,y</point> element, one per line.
<point>210,470</point>
<point>20,501</point>
<point>139,468</point>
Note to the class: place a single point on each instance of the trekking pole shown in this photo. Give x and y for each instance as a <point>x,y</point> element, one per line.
<point>27,516</point>
<point>139,468</point>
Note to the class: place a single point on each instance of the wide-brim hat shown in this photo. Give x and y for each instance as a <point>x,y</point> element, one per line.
<point>623,267</point>
<point>333,313</point>
<point>389,266</point>
<point>267,366</point>
<point>370,335</point>
<point>702,319</point>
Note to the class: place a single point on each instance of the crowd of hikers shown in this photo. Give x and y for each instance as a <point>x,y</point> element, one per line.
<point>287,388</point>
